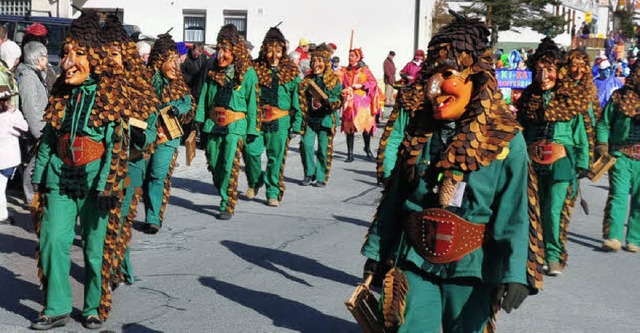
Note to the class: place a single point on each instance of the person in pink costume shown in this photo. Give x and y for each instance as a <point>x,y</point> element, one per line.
<point>361,102</point>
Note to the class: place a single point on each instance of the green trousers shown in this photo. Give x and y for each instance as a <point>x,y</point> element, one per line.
<point>223,155</point>
<point>552,199</point>
<point>136,175</point>
<point>56,237</point>
<point>434,306</point>
<point>157,171</point>
<point>317,169</point>
<point>275,144</point>
<point>624,180</point>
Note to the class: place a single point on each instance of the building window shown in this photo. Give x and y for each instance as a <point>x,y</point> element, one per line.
<point>15,7</point>
<point>195,22</point>
<point>237,18</point>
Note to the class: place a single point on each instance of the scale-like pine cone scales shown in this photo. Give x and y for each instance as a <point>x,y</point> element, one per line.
<point>535,257</point>
<point>329,154</point>
<point>627,98</point>
<point>606,223</point>
<point>447,189</point>
<point>394,303</point>
<point>230,37</point>
<point>166,190</point>
<point>232,190</point>
<point>384,140</point>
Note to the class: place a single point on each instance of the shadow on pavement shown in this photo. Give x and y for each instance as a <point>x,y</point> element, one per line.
<point>194,185</point>
<point>137,328</point>
<point>283,312</point>
<point>352,220</point>
<point>269,258</point>
<point>585,237</point>
<point>368,173</point>
<point>14,289</point>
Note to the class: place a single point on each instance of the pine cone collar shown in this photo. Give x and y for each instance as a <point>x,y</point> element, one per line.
<point>287,71</point>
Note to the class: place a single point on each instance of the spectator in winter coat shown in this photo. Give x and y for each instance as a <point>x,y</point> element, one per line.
<point>11,123</point>
<point>33,101</point>
<point>389,78</point>
<point>410,71</point>
<point>192,68</point>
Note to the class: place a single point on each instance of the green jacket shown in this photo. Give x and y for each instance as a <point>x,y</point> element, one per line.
<point>287,99</point>
<point>238,99</point>
<point>50,168</point>
<point>395,139</point>
<point>494,195</point>
<point>613,128</point>
<point>324,116</point>
<point>183,104</point>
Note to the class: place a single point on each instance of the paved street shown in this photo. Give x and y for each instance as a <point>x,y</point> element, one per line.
<point>289,269</point>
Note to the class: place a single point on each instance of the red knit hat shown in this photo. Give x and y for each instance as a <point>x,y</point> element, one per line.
<point>36,29</point>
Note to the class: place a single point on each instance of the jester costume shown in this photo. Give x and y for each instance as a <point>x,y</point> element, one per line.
<point>228,108</point>
<point>458,219</point>
<point>556,134</point>
<point>362,99</point>
<point>278,79</point>
<point>173,93</point>
<point>618,134</point>
<point>575,81</point>
<point>319,116</point>
<point>125,61</point>
<point>80,167</point>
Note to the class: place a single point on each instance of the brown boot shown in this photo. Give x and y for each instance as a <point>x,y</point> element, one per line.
<point>273,203</point>
<point>251,193</point>
<point>611,245</point>
<point>632,248</point>
<point>554,269</point>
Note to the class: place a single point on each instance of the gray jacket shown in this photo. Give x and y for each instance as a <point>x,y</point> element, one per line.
<point>33,97</point>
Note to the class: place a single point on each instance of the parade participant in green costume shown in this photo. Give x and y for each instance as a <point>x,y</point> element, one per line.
<point>558,144</point>
<point>173,92</point>
<point>618,134</point>
<point>228,108</point>
<point>281,118</point>
<point>124,59</point>
<point>454,220</point>
<point>575,85</point>
<point>319,109</point>
<point>80,165</point>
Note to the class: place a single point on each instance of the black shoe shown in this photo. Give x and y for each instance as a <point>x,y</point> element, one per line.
<point>44,323</point>
<point>92,322</point>
<point>151,229</point>
<point>320,184</point>
<point>349,157</point>
<point>369,153</point>
<point>224,215</point>
<point>306,181</point>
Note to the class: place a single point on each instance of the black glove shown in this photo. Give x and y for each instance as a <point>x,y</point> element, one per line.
<point>511,295</point>
<point>601,149</point>
<point>138,136</point>
<point>173,111</point>
<point>106,202</point>
<point>582,173</point>
<point>292,135</point>
<point>251,138</point>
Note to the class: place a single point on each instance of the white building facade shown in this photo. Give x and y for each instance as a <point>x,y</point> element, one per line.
<point>379,26</point>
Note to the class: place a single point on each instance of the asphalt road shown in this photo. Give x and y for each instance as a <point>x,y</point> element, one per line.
<point>290,269</point>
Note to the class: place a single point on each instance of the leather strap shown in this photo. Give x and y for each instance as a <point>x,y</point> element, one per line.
<point>271,113</point>
<point>83,151</point>
<point>544,152</point>
<point>224,117</point>
<point>441,236</point>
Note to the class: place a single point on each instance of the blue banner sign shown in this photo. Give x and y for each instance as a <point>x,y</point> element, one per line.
<point>511,78</point>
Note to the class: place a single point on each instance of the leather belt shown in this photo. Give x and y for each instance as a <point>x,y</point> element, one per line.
<point>632,151</point>
<point>441,236</point>
<point>543,152</point>
<point>83,151</point>
<point>224,117</point>
<point>271,113</point>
